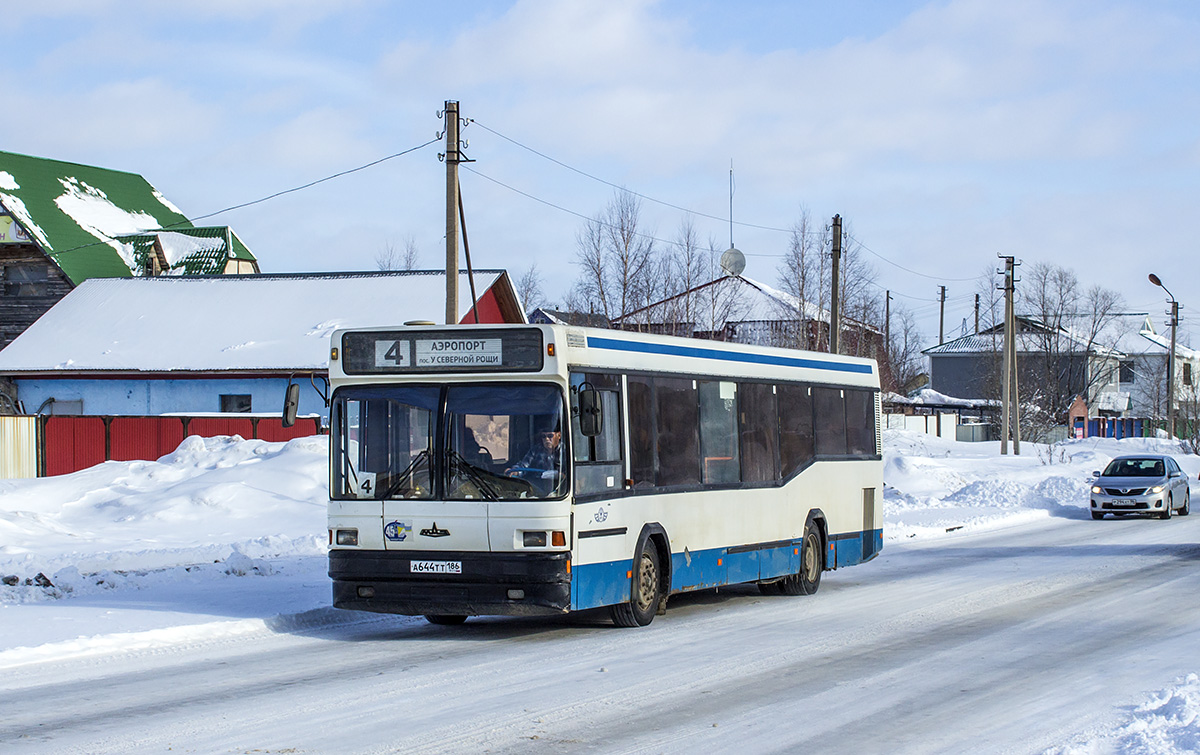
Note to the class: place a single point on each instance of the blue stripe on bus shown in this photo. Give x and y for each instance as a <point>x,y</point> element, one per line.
<point>725,356</point>
<point>605,584</point>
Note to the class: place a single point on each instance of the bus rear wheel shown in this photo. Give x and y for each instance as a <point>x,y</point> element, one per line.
<point>645,591</point>
<point>808,579</point>
<point>445,620</point>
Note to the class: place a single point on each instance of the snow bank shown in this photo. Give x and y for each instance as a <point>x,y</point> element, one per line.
<point>1167,723</point>
<point>224,500</point>
<point>935,486</point>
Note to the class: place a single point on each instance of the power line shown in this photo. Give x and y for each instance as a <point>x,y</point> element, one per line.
<point>729,220</point>
<point>320,180</point>
<point>254,202</point>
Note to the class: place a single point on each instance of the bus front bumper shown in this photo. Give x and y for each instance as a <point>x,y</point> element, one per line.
<point>471,584</point>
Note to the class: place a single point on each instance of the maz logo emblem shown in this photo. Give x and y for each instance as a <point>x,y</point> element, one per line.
<point>435,532</point>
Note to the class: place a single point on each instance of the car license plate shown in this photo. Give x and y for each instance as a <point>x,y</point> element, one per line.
<point>1123,502</point>
<point>435,567</point>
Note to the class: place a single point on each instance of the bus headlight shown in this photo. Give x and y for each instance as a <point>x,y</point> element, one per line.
<point>534,539</point>
<point>347,537</point>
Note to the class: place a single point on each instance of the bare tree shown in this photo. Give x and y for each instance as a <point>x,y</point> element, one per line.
<point>529,289</point>
<point>616,259</point>
<point>800,275</point>
<point>389,258</point>
<point>903,353</point>
<point>1075,341</point>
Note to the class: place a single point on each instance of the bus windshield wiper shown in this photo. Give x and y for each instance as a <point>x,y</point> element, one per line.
<point>405,477</point>
<point>474,474</point>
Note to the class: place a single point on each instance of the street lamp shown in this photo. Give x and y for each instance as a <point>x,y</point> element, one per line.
<point>1170,356</point>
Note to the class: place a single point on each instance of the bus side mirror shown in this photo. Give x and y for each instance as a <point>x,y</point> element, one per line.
<point>291,404</point>
<point>591,416</point>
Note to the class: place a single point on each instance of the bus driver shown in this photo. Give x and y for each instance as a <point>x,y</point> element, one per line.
<point>545,454</point>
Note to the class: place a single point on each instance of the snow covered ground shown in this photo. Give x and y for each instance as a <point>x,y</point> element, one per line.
<point>225,538</point>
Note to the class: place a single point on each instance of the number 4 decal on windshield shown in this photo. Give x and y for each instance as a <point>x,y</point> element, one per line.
<point>366,484</point>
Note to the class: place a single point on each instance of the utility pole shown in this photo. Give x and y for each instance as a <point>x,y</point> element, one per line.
<point>452,158</point>
<point>1171,370</point>
<point>976,314</point>
<point>1173,322</point>
<point>887,324</point>
<point>835,324</point>
<point>1006,367</point>
<point>1009,398</point>
<point>941,315</point>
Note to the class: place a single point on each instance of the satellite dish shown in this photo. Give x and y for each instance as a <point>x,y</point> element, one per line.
<point>733,261</point>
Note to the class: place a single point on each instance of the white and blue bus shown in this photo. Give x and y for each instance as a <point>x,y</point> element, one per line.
<point>541,469</point>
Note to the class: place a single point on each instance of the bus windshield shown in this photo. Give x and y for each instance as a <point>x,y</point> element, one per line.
<point>460,442</point>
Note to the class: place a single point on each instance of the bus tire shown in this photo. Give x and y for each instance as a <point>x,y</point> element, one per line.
<point>645,590</point>
<point>808,579</point>
<point>445,620</point>
<point>769,588</point>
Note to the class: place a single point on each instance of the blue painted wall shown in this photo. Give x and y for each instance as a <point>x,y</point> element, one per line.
<point>133,396</point>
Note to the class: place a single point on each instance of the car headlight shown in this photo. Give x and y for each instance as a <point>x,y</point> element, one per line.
<point>1157,489</point>
<point>1097,489</point>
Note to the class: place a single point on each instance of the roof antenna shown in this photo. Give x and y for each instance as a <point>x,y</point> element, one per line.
<point>732,261</point>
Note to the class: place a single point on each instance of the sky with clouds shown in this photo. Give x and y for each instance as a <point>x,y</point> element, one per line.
<point>945,133</point>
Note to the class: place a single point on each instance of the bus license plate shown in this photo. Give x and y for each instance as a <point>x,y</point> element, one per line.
<point>435,567</point>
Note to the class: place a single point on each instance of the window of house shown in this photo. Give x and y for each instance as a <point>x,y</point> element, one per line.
<point>25,280</point>
<point>235,402</point>
<point>1187,373</point>
<point>1127,373</point>
<point>58,406</point>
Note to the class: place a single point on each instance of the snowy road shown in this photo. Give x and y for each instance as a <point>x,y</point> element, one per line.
<point>1008,641</point>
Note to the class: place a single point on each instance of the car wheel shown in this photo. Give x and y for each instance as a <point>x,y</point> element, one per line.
<point>1187,504</point>
<point>1166,512</point>
<point>445,620</point>
<point>645,591</point>
<point>808,579</point>
<point>1097,515</point>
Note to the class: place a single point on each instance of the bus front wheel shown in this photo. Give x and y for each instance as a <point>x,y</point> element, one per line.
<point>808,579</point>
<point>645,590</point>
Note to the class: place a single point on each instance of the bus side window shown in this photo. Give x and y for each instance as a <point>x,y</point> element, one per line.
<point>759,429</point>
<point>860,422</point>
<point>795,427</point>
<point>641,431</point>
<point>598,467</point>
<point>719,432</point>
<point>677,413</point>
<point>831,421</point>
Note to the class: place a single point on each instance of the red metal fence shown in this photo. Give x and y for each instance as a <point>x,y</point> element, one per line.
<point>70,443</point>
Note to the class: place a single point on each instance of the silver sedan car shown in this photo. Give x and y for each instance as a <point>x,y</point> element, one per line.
<point>1146,484</point>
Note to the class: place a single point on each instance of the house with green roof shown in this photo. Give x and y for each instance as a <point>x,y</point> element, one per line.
<point>62,223</point>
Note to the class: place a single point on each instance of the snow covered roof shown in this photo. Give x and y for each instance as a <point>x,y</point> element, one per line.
<point>235,322</point>
<point>930,397</point>
<point>1031,339</point>
<point>750,301</point>
<point>87,219</point>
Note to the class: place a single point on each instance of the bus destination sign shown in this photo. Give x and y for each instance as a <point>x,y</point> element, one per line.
<point>460,352</point>
<point>451,350</point>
